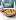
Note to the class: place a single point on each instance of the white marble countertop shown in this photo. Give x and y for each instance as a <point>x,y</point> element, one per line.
<point>2,17</point>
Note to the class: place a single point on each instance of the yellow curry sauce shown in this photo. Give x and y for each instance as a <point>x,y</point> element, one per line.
<point>9,11</point>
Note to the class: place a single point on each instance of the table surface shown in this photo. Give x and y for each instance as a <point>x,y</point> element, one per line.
<point>12,18</point>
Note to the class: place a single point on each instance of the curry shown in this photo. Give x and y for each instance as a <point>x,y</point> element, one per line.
<point>9,11</point>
